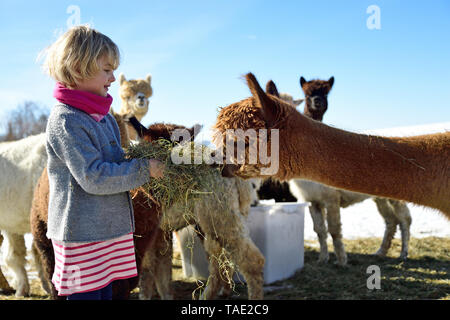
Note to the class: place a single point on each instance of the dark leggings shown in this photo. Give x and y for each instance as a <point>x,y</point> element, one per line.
<point>104,293</point>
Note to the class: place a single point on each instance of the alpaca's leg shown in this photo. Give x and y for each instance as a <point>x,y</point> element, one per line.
<point>156,268</point>
<point>15,260</point>
<point>387,212</point>
<point>227,284</point>
<point>163,263</point>
<point>146,276</point>
<point>47,257</point>
<point>38,265</point>
<point>317,215</point>
<point>226,276</point>
<point>250,263</point>
<point>403,215</point>
<point>145,253</point>
<point>220,269</point>
<point>214,252</point>
<point>4,286</point>
<point>335,229</point>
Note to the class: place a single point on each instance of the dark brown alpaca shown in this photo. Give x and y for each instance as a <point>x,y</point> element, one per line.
<point>414,169</point>
<point>147,234</point>
<point>316,97</point>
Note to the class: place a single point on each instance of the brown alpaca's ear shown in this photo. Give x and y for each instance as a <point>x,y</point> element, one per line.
<point>331,82</point>
<point>302,81</point>
<point>268,107</point>
<point>195,130</point>
<point>271,88</point>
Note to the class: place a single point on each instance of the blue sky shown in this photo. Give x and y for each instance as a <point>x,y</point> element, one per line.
<point>197,52</point>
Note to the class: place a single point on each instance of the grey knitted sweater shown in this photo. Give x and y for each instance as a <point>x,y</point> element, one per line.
<point>89,178</point>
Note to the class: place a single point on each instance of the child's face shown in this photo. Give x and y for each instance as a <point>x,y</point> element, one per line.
<point>100,83</point>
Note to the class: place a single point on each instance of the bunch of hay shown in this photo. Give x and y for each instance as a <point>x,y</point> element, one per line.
<point>181,182</point>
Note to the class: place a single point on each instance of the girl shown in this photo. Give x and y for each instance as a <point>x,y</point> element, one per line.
<point>90,215</point>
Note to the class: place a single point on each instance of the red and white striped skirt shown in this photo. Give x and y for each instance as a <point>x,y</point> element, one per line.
<point>83,267</point>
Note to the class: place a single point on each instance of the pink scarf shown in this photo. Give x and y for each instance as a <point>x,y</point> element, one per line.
<point>94,105</point>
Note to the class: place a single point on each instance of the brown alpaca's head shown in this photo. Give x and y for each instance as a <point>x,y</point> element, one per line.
<point>168,131</point>
<point>316,97</point>
<point>261,111</point>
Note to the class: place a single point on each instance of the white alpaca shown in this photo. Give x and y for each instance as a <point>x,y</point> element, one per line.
<point>21,164</point>
<point>326,202</point>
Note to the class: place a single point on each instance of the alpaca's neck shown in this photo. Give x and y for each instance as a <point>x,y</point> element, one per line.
<point>415,169</point>
<point>308,111</point>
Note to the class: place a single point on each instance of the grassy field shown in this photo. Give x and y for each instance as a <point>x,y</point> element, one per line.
<point>425,275</point>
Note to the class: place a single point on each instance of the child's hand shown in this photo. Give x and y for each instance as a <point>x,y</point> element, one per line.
<point>156,168</point>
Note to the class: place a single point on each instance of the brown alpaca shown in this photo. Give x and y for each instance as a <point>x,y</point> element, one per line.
<point>414,169</point>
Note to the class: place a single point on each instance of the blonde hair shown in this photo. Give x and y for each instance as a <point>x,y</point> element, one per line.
<point>73,56</point>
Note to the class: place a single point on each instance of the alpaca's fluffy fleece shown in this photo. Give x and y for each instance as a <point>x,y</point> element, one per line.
<point>21,163</point>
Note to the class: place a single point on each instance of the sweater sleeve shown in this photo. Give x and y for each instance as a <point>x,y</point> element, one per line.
<point>73,142</point>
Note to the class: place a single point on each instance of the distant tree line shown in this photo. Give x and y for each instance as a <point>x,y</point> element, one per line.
<point>29,118</point>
